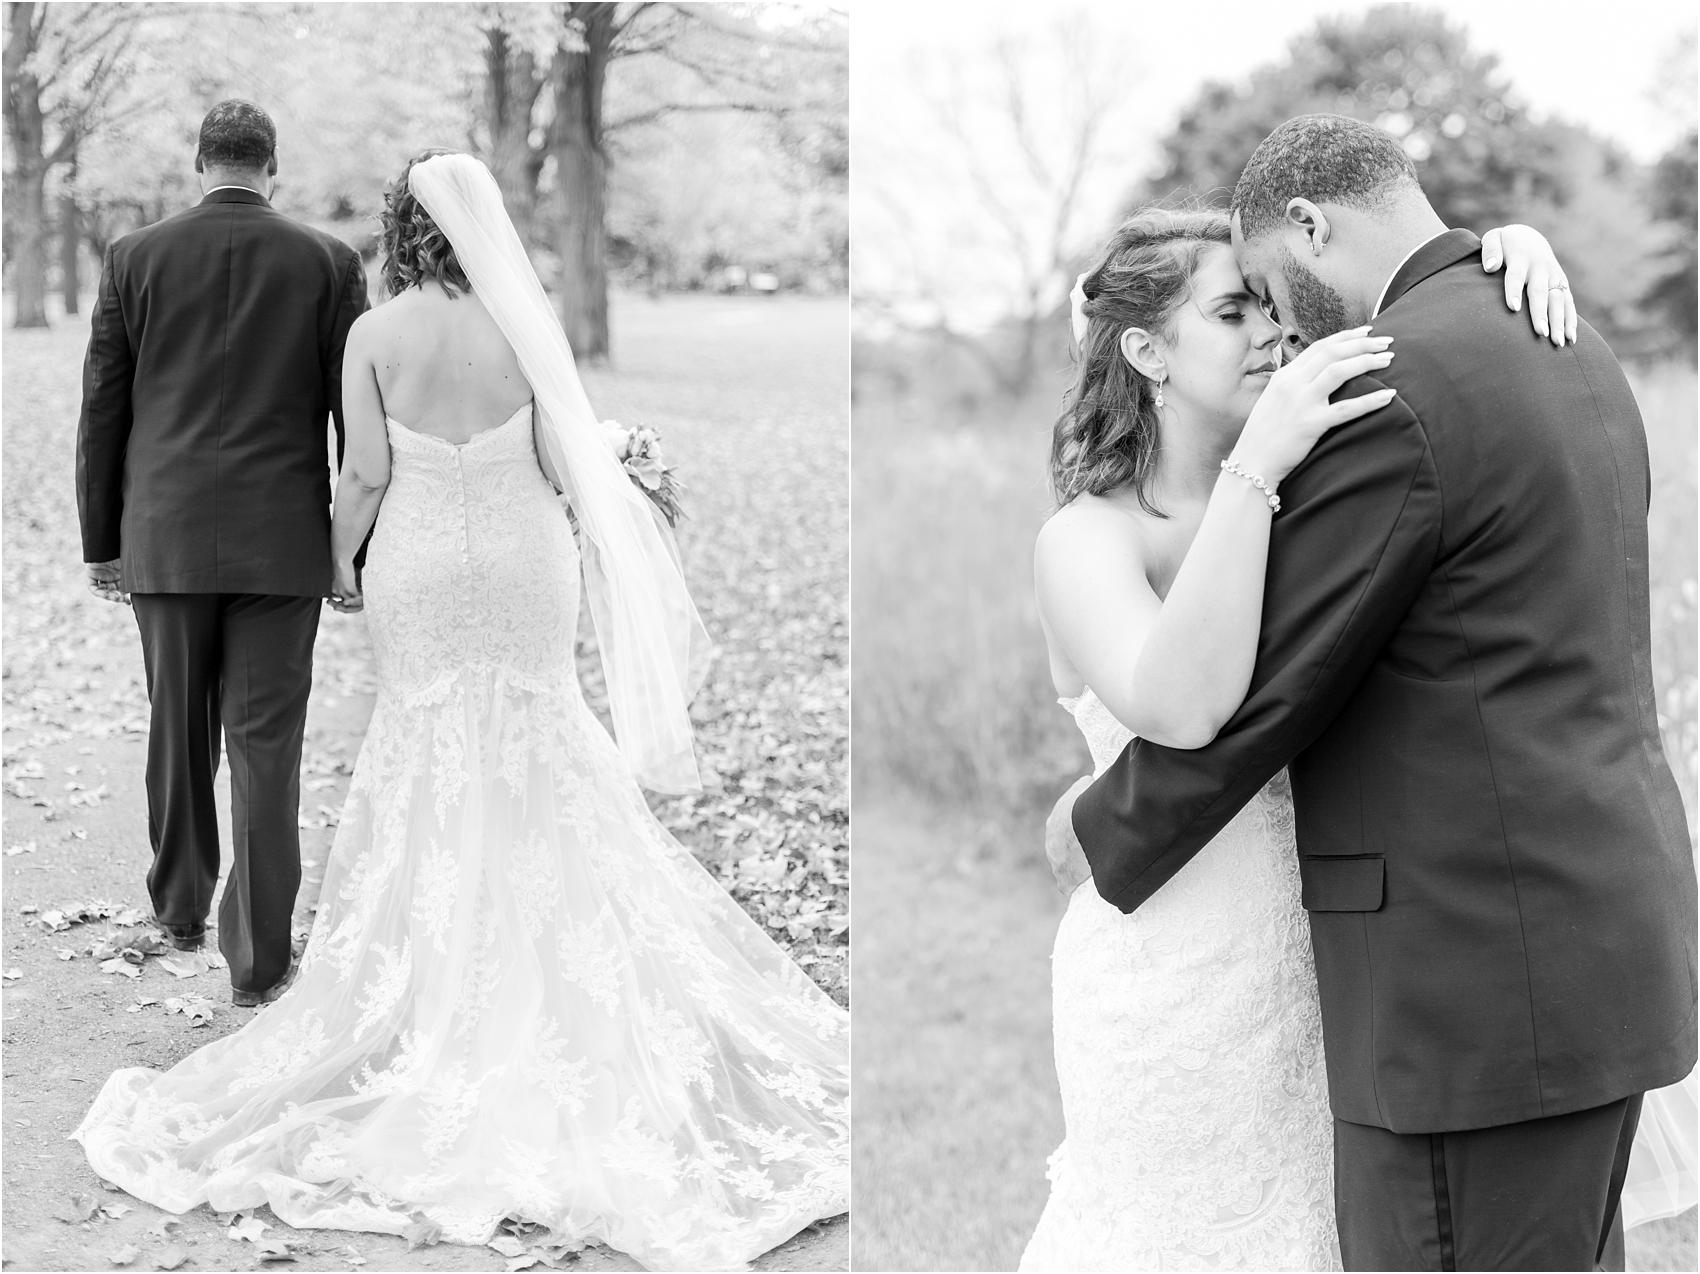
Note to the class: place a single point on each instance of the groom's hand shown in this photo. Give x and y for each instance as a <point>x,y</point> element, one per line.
<point>106,581</point>
<point>1068,861</point>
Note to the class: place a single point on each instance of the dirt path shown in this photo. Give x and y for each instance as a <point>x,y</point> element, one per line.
<point>74,824</point>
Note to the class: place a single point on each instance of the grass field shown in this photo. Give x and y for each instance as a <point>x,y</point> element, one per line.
<point>750,395</point>
<point>959,748</point>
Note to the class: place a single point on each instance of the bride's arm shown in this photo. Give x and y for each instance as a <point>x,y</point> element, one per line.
<point>616,434</point>
<point>1174,672</point>
<point>365,472</point>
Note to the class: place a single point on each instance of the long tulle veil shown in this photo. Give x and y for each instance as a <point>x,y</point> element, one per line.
<point>654,648</point>
<point>1661,1180</point>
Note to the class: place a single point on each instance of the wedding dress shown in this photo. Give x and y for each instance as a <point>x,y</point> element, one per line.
<point>521,997</point>
<point>1188,1043</point>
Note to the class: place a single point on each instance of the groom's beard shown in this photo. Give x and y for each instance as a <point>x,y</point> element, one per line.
<point>1316,309</point>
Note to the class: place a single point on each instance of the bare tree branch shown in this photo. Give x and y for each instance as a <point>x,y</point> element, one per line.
<point>1027,126</point>
<point>672,108</point>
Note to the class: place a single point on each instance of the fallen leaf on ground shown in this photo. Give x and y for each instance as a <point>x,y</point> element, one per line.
<point>274,1250</point>
<point>142,1001</point>
<point>524,1262</point>
<point>133,944</point>
<point>197,1008</point>
<point>78,1207</point>
<point>161,1229</point>
<point>118,964</point>
<point>184,964</point>
<point>124,1255</point>
<point>169,1258</point>
<point>115,1210</point>
<point>249,1228</point>
<point>351,1257</point>
<point>12,975</point>
<point>28,847</point>
<point>507,1245</point>
<point>421,1234</point>
<point>65,953</point>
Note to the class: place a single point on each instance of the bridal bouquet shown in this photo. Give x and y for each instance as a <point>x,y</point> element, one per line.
<point>640,456</point>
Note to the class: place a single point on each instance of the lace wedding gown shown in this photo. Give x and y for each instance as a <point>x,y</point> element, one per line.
<point>521,996</point>
<point>1189,1050</point>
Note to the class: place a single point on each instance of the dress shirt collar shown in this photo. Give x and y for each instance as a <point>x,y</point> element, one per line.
<point>1395,274</point>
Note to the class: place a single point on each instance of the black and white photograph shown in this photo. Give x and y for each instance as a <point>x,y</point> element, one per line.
<point>426,681</point>
<point>1273,612</point>
<point>541,541</point>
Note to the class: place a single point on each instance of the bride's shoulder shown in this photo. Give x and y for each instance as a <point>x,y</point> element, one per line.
<point>1089,545</point>
<point>1089,527</point>
<point>381,316</point>
<point>397,318</point>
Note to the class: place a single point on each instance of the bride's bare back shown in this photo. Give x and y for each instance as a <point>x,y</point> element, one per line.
<point>442,365</point>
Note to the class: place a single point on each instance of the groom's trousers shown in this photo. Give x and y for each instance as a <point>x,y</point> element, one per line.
<point>1538,1195</point>
<point>242,662</point>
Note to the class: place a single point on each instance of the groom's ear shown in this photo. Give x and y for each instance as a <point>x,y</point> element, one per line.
<point>200,166</point>
<point>1310,221</point>
<point>271,165</point>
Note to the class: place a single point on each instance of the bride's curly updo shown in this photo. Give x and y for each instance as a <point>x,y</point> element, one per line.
<point>1107,433</point>
<point>414,248</point>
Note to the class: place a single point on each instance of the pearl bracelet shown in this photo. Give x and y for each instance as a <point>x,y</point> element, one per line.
<point>1273,500</point>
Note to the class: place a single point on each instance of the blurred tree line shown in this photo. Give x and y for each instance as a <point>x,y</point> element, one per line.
<point>669,146</point>
<point>1624,230</point>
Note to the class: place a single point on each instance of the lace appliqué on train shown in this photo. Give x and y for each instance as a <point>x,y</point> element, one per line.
<point>520,996</point>
<point>1189,1050</point>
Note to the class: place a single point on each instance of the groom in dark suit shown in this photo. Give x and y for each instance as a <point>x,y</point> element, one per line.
<point>1455,667</point>
<point>214,360</point>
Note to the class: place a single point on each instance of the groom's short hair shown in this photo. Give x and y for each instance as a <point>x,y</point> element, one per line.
<point>1325,159</point>
<point>237,134</point>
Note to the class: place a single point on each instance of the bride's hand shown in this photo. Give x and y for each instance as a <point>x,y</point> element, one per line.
<point>1532,268</point>
<point>1294,410</point>
<point>1069,867</point>
<point>345,589</point>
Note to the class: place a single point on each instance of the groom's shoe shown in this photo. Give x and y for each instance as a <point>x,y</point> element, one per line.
<point>253,999</point>
<point>184,937</point>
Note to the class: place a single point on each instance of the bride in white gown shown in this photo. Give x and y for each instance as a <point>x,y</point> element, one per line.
<point>521,997</point>
<point>1188,1034</point>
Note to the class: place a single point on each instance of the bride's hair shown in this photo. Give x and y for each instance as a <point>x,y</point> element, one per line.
<point>1106,435</point>
<point>414,248</point>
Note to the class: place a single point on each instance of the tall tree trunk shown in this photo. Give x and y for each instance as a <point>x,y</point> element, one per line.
<point>511,88</point>
<point>70,242</point>
<point>27,208</point>
<point>29,262</point>
<point>581,178</point>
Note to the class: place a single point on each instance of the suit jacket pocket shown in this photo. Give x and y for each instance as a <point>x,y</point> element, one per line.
<point>1342,883</point>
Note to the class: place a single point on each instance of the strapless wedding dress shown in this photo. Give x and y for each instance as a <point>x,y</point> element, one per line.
<point>521,997</point>
<point>1189,1051</point>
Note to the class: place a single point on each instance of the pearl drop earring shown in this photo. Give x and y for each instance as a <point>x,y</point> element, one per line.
<point>1159,391</point>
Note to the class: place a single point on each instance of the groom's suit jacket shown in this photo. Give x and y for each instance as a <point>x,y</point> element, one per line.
<point>214,359</point>
<point>1455,667</point>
